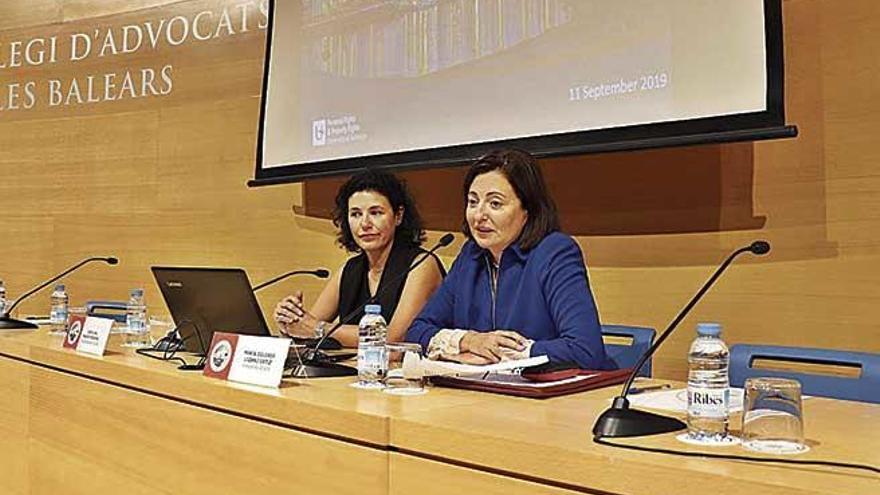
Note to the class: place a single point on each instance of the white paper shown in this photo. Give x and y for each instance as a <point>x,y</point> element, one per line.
<point>38,320</point>
<point>95,333</point>
<point>508,378</point>
<point>259,360</point>
<point>428,367</point>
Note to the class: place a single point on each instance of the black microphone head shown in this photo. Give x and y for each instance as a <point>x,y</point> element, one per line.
<point>112,260</point>
<point>322,273</point>
<point>760,247</point>
<point>446,240</point>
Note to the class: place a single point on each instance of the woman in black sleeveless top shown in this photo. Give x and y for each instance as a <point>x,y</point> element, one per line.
<point>377,219</point>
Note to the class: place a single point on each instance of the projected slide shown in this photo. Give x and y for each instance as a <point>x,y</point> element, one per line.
<point>350,78</point>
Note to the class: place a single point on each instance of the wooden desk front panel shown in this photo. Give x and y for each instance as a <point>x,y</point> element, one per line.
<point>315,405</point>
<point>85,437</point>
<point>14,392</point>
<point>123,422</point>
<point>409,475</point>
<point>550,440</point>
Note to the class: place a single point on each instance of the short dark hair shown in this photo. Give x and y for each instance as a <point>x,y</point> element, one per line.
<point>409,232</point>
<point>522,171</point>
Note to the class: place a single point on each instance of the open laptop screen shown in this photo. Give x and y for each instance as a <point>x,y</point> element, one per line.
<point>207,300</point>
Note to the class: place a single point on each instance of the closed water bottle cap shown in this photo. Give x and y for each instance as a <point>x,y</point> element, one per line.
<point>59,287</point>
<point>373,309</point>
<point>709,329</point>
<point>137,292</point>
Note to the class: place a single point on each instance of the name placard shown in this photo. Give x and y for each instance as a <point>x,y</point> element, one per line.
<point>247,359</point>
<point>88,335</point>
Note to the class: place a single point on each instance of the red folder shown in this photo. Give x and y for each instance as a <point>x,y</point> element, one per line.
<point>541,385</point>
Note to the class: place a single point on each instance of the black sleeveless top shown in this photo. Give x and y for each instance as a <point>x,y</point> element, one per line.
<point>354,286</point>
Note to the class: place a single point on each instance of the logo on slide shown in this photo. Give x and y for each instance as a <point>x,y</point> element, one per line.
<point>319,132</point>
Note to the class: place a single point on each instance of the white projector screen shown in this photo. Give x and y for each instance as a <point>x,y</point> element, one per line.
<point>407,83</point>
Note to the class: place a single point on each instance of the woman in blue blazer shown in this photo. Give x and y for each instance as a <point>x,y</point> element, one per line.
<point>519,287</point>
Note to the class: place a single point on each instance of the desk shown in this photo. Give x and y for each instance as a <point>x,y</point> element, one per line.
<point>123,423</point>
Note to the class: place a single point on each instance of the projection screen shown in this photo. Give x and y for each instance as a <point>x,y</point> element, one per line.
<point>413,83</point>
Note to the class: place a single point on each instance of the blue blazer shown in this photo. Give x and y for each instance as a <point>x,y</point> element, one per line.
<point>542,294</point>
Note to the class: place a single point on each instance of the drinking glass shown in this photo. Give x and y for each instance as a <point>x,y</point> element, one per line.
<point>137,338</point>
<point>404,375</point>
<point>773,420</point>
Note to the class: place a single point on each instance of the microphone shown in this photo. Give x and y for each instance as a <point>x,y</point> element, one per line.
<point>8,323</point>
<point>621,421</point>
<point>312,367</point>
<point>320,273</point>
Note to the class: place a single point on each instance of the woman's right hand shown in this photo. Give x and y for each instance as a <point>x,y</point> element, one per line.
<point>492,346</point>
<point>289,311</point>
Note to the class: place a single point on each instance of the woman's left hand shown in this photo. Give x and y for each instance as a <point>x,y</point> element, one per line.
<point>492,346</point>
<point>302,326</point>
<point>471,358</point>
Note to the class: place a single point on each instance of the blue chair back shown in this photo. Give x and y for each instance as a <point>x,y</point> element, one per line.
<point>865,387</point>
<point>626,356</point>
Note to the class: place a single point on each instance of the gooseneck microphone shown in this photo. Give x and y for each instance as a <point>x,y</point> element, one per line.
<point>8,323</point>
<point>320,273</point>
<point>443,242</point>
<point>313,367</point>
<point>621,421</point>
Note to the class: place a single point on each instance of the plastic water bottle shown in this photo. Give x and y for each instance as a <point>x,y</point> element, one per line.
<point>708,385</point>
<point>137,332</point>
<point>58,312</point>
<point>372,363</point>
<point>2,298</point>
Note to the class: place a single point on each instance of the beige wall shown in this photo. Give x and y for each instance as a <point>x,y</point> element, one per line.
<point>161,180</point>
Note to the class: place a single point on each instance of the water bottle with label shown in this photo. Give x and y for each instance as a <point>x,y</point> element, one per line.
<point>58,311</point>
<point>137,333</point>
<point>371,360</point>
<point>2,298</point>
<point>708,389</point>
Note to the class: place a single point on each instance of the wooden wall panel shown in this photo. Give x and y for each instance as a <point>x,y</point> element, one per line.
<point>161,180</point>
<point>79,9</point>
<point>38,12</point>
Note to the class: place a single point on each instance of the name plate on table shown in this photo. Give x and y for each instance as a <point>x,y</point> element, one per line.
<point>247,359</point>
<point>88,335</point>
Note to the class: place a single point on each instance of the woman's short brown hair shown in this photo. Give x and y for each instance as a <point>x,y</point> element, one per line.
<point>522,171</point>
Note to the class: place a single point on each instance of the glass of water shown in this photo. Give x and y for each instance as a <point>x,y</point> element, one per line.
<point>136,332</point>
<point>773,420</point>
<point>404,375</point>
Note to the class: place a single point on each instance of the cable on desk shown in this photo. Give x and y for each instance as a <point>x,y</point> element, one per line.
<point>734,457</point>
<point>170,351</point>
<point>146,350</point>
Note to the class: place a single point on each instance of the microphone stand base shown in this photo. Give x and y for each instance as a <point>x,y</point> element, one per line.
<point>8,323</point>
<point>321,369</point>
<point>621,421</point>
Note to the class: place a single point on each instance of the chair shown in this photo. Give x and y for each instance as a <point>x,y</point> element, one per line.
<point>865,387</point>
<point>626,355</point>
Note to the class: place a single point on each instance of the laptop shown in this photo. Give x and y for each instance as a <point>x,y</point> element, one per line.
<point>207,300</point>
